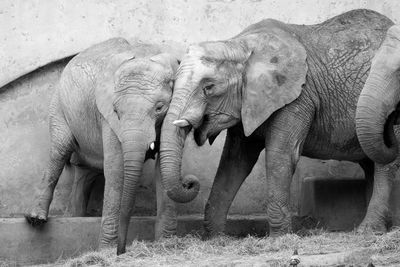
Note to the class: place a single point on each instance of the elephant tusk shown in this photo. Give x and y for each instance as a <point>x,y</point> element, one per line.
<point>152,146</point>
<point>181,123</point>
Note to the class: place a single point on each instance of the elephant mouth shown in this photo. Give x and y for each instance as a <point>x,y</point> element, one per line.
<point>199,137</point>
<point>201,133</point>
<point>152,151</point>
<point>204,132</point>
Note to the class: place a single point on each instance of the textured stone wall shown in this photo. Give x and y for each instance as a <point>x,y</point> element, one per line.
<point>34,33</point>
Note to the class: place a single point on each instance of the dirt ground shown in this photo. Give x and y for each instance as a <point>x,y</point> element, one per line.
<point>317,248</point>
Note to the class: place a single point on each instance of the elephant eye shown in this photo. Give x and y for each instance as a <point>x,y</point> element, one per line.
<point>208,89</point>
<point>159,107</point>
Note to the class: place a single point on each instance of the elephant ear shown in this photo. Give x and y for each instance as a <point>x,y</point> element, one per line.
<point>167,60</point>
<point>104,91</point>
<point>274,74</point>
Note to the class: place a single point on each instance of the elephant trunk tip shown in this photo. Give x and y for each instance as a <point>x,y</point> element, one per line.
<point>121,240</point>
<point>190,187</point>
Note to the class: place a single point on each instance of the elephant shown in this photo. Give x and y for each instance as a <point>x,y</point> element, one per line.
<point>107,110</point>
<point>378,106</point>
<point>87,190</point>
<point>289,89</point>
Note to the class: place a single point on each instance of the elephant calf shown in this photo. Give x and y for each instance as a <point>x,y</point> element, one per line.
<point>289,89</point>
<point>108,108</point>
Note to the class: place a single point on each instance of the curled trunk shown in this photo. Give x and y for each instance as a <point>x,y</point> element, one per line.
<point>134,147</point>
<point>179,189</point>
<point>377,105</point>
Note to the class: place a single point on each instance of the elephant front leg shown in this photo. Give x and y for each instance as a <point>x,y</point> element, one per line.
<point>238,158</point>
<point>114,175</point>
<point>280,168</point>
<point>285,136</point>
<point>166,222</point>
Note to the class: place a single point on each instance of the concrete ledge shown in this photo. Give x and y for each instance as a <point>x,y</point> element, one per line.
<point>338,204</point>
<point>21,244</point>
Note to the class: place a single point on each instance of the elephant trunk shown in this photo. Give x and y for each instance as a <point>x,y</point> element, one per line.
<point>134,146</point>
<point>179,189</point>
<point>376,108</point>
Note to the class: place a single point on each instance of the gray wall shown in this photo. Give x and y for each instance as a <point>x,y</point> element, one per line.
<point>38,32</point>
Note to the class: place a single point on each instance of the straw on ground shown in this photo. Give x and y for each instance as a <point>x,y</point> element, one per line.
<point>317,249</point>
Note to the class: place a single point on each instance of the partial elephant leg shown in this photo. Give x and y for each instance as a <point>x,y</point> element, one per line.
<point>166,223</point>
<point>61,147</point>
<point>378,207</point>
<point>368,167</point>
<point>285,135</point>
<point>83,182</point>
<point>114,175</point>
<point>95,203</point>
<point>237,160</point>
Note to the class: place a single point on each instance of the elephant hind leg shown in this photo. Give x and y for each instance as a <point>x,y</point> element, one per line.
<point>83,183</point>
<point>368,167</point>
<point>377,214</point>
<point>61,148</point>
<point>376,217</point>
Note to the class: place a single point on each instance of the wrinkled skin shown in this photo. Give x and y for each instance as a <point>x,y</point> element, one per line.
<point>289,89</point>
<point>107,110</point>
<point>377,107</point>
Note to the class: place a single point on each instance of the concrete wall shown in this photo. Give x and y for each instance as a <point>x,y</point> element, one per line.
<point>35,33</point>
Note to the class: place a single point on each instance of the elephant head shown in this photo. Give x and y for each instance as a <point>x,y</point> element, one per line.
<point>377,107</point>
<point>220,84</point>
<point>133,96</point>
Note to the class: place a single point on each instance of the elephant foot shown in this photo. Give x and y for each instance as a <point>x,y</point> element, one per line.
<point>108,241</point>
<point>107,244</point>
<point>165,226</point>
<point>211,230</point>
<point>375,221</point>
<point>36,217</point>
<point>161,233</point>
<point>282,229</point>
<point>278,232</point>
<point>279,219</point>
<point>206,235</point>
<point>375,228</point>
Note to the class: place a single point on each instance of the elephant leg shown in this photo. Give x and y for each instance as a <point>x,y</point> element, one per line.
<point>114,175</point>
<point>95,203</point>
<point>285,135</point>
<point>378,207</point>
<point>166,222</point>
<point>238,158</point>
<point>81,189</point>
<point>61,147</point>
<point>368,167</point>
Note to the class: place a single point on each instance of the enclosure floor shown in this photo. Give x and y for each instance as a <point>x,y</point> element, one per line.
<point>317,249</point>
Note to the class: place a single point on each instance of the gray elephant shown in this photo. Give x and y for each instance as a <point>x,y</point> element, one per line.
<point>291,89</point>
<point>378,106</point>
<point>108,110</point>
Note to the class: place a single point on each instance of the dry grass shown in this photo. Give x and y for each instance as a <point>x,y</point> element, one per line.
<point>317,249</point>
